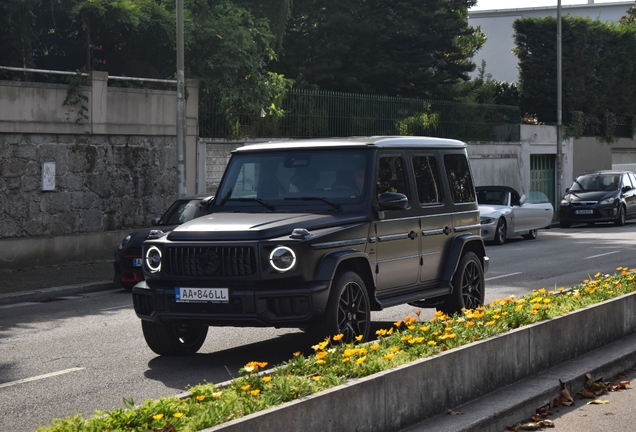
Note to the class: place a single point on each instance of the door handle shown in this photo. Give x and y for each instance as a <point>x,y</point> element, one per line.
<point>412,235</point>
<point>447,230</point>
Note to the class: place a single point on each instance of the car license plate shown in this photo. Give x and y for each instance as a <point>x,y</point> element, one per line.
<point>137,262</point>
<point>211,295</point>
<point>584,211</point>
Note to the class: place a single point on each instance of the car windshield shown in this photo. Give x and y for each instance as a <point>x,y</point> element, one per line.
<point>270,180</point>
<point>181,211</point>
<point>596,182</point>
<point>492,197</point>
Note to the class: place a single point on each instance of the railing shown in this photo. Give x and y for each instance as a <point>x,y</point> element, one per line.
<point>317,114</point>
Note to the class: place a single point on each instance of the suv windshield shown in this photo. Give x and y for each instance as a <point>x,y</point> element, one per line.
<point>269,180</point>
<point>596,182</point>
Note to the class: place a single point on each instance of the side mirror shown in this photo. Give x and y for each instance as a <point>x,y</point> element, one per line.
<point>522,200</point>
<point>627,188</point>
<point>392,201</point>
<point>567,190</point>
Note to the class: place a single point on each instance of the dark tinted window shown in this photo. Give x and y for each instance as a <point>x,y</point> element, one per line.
<point>460,181</point>
<point>427,179</point>
<point>391,175</point>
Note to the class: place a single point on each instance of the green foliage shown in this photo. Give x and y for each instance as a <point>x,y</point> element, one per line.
<point>598,60</point>
<point>374,47</point>
<point>76,99</point>
<point>420,124</point>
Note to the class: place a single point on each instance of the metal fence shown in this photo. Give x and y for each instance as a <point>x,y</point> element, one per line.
<point>318,114</point>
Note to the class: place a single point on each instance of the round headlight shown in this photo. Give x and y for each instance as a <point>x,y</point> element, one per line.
<point>282,258</point>
<point>153,259</point>
<point>124,242</point>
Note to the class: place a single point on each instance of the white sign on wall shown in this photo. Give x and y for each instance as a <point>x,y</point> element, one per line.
<point>48,176</point>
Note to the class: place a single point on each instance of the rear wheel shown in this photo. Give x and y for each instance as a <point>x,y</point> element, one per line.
<point>620,219</point>
<point>173,340</point>
<point>348,310</point>
<point>500,232</point>
<point>468,286</point>
<point>532,234</point>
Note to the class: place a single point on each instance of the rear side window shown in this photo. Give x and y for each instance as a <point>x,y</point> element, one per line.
<point>391,175</point>
<point>460,181</point>
<point>427,179</point>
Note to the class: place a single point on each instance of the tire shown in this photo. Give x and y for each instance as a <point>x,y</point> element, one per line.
<point>565,224</point>
<point>173,340</point>
<point>348,310</point>
<point>500,232</point>
<point>468,286</point>
<point>620,219</point>
<point>532,234</point>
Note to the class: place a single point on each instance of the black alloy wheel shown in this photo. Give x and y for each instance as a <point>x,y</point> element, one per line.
<point>468,286</point>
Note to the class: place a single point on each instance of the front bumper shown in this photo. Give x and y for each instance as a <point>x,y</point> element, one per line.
<point>285,307</point>
<point>573,214</point>
<point>488,231</point>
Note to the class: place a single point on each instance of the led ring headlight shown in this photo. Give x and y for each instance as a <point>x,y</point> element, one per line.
<point>153,259</point>
<point>282,258</point>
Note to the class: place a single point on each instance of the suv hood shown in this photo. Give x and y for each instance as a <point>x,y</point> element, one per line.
<point>257,226</point>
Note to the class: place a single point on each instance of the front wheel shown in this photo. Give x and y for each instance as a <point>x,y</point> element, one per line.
<point>500,232</point>
<point>348,310</point>
<point>532,234</point>
<point>620,219</point>
<point>468,286</point>
<point>173,340</point>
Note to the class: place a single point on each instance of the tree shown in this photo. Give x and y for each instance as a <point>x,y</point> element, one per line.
<point>395,48</point>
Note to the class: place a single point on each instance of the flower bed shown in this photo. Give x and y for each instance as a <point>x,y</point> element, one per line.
<point>408,341</point>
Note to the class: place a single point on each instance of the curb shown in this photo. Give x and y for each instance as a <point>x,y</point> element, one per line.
<point>50,293</point>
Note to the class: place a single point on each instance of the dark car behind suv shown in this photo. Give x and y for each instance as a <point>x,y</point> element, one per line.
<point>316,234</point>
<point>599,196</point>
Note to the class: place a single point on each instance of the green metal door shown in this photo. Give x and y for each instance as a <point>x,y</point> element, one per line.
<point>542,175</point>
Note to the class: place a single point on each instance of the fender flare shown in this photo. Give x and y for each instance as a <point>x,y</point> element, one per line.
<point>331,261</point>
<point>460,243</point>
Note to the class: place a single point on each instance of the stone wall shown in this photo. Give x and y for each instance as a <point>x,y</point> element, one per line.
<point>102,183</point>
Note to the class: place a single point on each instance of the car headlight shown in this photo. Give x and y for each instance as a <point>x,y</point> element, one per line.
<point>607,201</point>
<point>565,203</point>
<point>282,258</point>
<point>153,259</point>
<point>124,242</point>
<point>487,220</point>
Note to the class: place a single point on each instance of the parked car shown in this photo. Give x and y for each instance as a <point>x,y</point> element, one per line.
<point>128,256</point>
<point>599,196</point>
<point>504,213</point>
<point>315,234</point>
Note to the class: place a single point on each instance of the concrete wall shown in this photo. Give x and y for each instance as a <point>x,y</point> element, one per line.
<point>68,188</point>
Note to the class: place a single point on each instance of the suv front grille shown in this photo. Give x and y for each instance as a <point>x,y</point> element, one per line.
<point>204,261</point>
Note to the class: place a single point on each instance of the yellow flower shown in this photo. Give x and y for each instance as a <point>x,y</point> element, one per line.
<point>498,310</point>
<point>397,323</point>
<point>359,338</point>
<point>411,327</point>
<point>561,288</point>
<point>375,347</point>
<point>536,306</point>
<point>496,317</point>
<point>406,337</point>
<point>361,360</point>
<point>321,354</point>
<point>216,395</point>
<point>533,312</point>
<point>448,330</point>
<point>177,415</point>
<point>470,324</point>
<point>157,416</point>
<point>320,362</point>
<point>390,331</point>
<point>200,398</point>
<point>490,323</point>
<point>338,336</point>
<point>394,350</point>
<point>424,328</point>
<point>317,378</point>
<point>346,359</point>
<point>389,357</point>
<point>504,314</point>
<point>246,387</point>
<point>267,378</point>
<point>432,343</point>
<point>546,301</point>
<point>597,274</point>
<point>297,353</point>
<point>255,392</point>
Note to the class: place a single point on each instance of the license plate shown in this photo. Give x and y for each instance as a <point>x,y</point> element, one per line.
<point>584,211</point>
<point>209,295</point>
<point>137,262</point>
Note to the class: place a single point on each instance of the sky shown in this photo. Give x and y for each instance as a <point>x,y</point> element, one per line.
<point>514,4</point>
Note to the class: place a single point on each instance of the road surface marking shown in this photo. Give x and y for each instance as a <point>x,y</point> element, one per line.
<point>502,276</point>
<point>39,377</point>
<point>608,253</point>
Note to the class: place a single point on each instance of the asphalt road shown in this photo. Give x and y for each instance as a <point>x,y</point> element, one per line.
<point>83,353</point>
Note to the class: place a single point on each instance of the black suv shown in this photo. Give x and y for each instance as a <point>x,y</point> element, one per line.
<point>316,234</point>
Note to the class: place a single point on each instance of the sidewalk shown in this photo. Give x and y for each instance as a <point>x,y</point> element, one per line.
<point>42,283</point>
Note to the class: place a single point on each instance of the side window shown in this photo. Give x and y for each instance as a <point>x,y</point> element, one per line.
<point>391,175</point>
<point>460,181</point>
<point>626,180</point>
<point>633,178</point>
<point>427,179</point>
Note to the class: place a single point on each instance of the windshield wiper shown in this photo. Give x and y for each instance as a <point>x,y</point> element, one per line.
<point>258,200</point>
<point>315,198</point>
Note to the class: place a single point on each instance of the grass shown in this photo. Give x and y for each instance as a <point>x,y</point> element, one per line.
<point>334,363</point>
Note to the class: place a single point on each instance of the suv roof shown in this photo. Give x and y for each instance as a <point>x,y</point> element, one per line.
<point>373,141</point>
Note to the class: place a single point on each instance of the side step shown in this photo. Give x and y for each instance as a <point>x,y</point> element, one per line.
<point>417,298</point>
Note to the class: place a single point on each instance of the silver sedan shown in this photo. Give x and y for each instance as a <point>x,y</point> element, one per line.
<point>504,213</point>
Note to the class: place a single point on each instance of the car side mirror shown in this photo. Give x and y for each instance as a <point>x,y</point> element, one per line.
<point>392,201</point>
<point>627,188</point>
<point>522,200</point>
<point>567,190</point>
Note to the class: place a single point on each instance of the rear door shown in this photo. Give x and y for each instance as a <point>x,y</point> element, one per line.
<point>461,191</point>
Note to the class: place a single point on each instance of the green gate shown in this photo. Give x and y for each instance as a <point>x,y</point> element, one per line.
<point>542,175</point>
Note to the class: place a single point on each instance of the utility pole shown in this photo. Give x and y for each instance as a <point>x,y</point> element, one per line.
<point>181,106</point>
<point>559,155</point>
